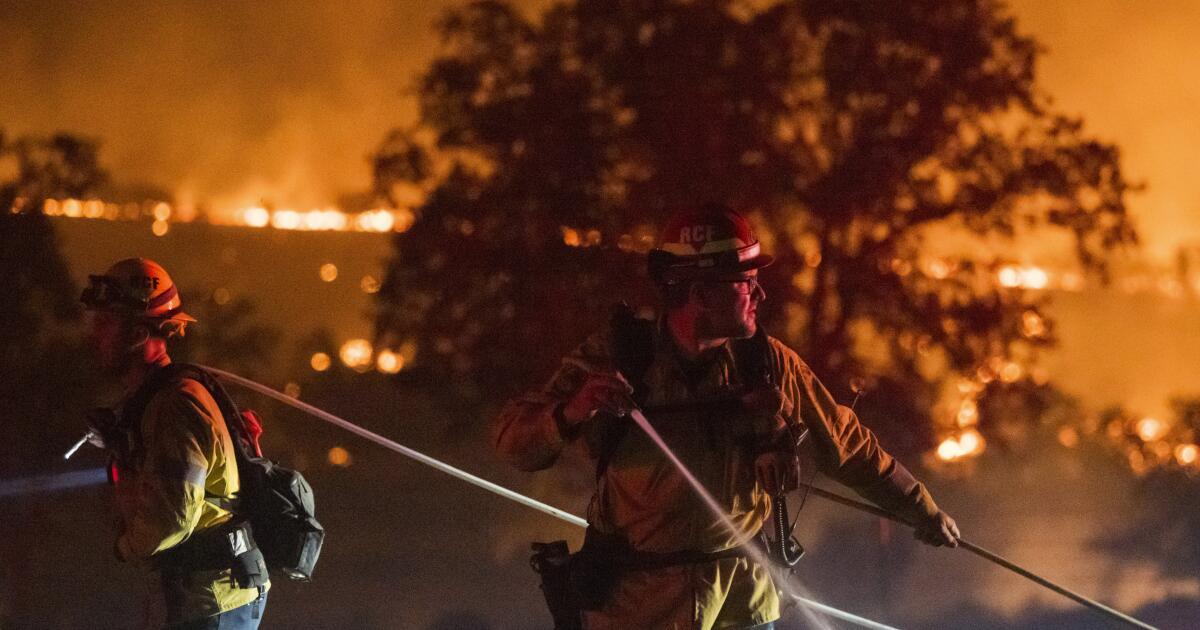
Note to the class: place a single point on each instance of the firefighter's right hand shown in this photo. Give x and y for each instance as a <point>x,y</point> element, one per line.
<point>777,471</point>
<point>602,391</point>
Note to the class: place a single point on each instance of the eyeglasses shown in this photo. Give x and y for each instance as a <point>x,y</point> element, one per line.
<point>743,286</point>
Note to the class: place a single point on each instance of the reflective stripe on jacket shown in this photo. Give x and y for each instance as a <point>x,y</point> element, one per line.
<point>643,498</point>
<point>185,450</point>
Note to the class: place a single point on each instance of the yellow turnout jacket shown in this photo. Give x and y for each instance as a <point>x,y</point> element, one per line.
<point>185,451</point>
<point>642,497</point>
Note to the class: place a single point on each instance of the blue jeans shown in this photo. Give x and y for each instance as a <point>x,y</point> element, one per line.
<point>241,618</point>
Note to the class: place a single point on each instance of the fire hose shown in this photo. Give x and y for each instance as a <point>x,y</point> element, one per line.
<point>494,488</point>
<point>641,421</point>
<point>987,555</point>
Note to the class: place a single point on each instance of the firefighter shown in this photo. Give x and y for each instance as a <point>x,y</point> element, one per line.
<point>173,463</point>
<point>653,555</point>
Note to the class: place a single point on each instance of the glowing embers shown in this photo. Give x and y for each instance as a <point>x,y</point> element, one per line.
<point>356,354</point>
<point>369,284</point>
<point>967,444</point>
<point>1068,436</point>
<point>320,362</point>
<point>1187,454</point>
<point>1032,324</point>
<point>339,457</point>
<point>389,362</point>
<point>1029,277</point>
<point>362,357</point>
<point>1150,444</point>
<point>961,408</point>
<point>573,237</point>
<point>1151,429</point>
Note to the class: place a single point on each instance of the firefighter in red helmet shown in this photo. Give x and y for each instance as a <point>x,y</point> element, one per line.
<point>727,398</point>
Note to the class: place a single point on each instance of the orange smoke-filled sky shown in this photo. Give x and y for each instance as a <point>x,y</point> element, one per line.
<point>234,103</point>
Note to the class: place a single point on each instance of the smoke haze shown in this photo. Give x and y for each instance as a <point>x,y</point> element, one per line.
<point>236,103</point>
<point>1130,70</point>
<point>225,103</point>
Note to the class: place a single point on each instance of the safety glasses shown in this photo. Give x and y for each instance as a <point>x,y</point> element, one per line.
<point>741,284</point>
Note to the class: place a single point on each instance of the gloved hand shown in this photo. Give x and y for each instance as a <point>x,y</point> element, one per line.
<point>940,531</point>
<point>767,402</point>
<point>603,390</point>
<point>777,471</point>
<point>102,428</point>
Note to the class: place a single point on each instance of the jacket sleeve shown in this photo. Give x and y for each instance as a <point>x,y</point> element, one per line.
<point>846,450</point>
<point>164,504</point>
<point>526,433</point>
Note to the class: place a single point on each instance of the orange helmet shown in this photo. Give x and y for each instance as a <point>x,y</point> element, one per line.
<point>139,288</point>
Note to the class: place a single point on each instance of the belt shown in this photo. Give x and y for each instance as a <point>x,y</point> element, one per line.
<point>210,549</point>
<point>648,560</point>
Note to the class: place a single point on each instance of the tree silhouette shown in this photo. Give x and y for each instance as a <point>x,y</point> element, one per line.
<point>44,385</point>
<point>852,131</point>
<point>1164,529</point>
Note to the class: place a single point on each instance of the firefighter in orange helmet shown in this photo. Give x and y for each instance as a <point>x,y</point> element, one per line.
<point>726,397</point>
<point>174,468</point>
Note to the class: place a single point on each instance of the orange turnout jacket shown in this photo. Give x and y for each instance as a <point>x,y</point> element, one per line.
<point>642,498</point>
<point>186,451</point>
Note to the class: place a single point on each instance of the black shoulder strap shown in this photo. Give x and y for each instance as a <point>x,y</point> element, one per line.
<point>229,409</point>
<point>633,352</point>
<point>136,407</point>
<point>752,357</point>
<point>633,347</point>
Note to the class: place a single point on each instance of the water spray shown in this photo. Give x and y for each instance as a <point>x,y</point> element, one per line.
<point>563,515</point>
<point>756,554</point>
<point>709,501</point>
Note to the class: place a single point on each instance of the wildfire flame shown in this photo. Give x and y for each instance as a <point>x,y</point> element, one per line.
<point>161,214</point>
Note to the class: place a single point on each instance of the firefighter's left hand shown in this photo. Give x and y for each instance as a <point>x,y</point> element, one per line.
<point>102,428</point>
<point>940,531</point>
<point>777,471</point>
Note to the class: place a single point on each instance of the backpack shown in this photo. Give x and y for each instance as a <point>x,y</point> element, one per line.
<point>276,501</point>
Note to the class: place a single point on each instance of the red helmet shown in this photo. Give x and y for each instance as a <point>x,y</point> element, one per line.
<point>702,241</point>
<point>139,288</point>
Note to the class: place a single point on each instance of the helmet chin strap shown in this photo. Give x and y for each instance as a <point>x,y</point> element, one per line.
<point>135,355</point>
<point>140,336</point>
